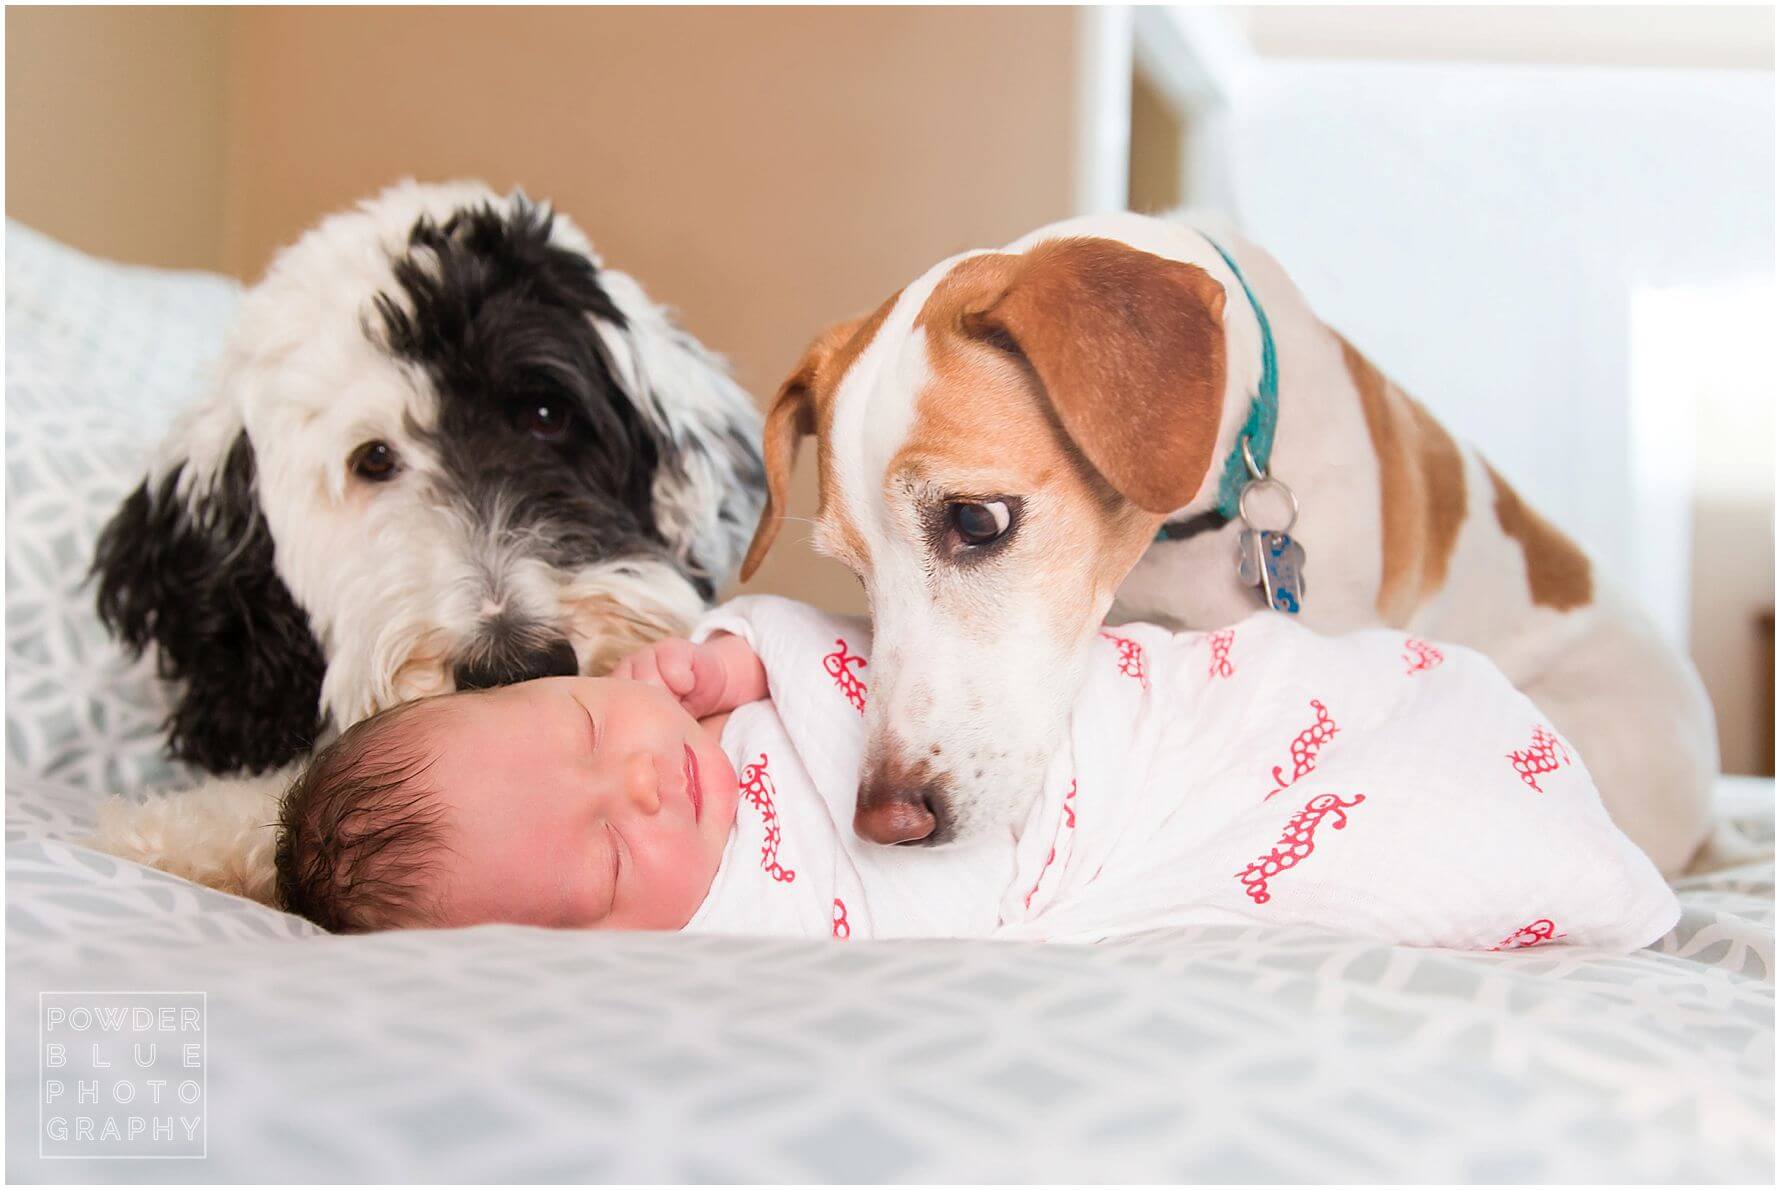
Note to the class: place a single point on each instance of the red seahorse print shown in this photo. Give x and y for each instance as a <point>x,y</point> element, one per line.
<point>1131,658</point>
<point>1064,825</point>
<point>1421,656</point>
<point>1220,642</point>
<point>1297,843</point>
<point>837,664</point>
<point>757,791</point>
<point>1305,748</point>
<point>842,931</point>
<point>1531,934</point>
<point>1545,755</point>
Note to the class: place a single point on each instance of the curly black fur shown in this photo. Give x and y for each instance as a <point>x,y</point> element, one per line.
<point>499,317</point>
<point>195,579</point>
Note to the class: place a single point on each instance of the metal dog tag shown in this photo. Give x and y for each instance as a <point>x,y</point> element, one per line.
<point>1274,562</point>
<point>1270,559</point>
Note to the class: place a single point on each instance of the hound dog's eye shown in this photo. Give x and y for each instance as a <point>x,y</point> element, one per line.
<point>375,460</point>
<point>980,524</point>
<point>545,418</point>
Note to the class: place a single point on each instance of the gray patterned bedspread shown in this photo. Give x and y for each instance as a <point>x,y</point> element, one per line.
<point>1228,1054</point>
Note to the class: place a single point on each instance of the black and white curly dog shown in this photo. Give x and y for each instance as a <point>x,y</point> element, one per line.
<point>447,448</point>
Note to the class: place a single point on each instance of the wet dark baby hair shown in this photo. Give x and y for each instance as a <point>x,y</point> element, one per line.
<point>359,828</point>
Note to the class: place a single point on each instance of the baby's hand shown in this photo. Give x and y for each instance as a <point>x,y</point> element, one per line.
<point>709,678</point>
<point>677,666</point>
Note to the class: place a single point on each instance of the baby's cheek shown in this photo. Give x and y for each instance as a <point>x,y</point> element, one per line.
<point>693,877</point>
<point>504,887</point>
<point>680,876</point>
<point>469,895</point>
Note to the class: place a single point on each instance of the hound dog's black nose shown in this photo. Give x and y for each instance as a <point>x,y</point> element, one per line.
<point>901,816</point>
<point>900,803</point>
<point>554,659</point>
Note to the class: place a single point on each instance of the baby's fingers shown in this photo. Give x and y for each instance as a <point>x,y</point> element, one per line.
<point>709,681</point>
<point>640,667</point>
<point>673,658</point>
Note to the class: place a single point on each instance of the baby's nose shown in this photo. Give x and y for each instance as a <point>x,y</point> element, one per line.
<point>642,782</point>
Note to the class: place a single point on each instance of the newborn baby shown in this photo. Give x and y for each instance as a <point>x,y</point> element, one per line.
<point>1370,782</point>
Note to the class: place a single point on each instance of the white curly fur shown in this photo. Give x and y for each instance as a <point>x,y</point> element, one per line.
<point>393,579</point>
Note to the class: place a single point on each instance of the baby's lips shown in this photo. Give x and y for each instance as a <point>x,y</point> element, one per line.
<point>694,788</point>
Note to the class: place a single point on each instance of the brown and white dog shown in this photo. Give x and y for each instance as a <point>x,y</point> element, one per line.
<point>999,442</point>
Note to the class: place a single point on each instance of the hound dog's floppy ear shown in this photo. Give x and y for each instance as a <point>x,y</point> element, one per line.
<point>187,567</point>
<point>1130,349</point>
<point>792,416</point>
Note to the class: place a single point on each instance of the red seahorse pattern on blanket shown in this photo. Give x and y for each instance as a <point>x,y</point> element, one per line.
<point>1420,656</point>
<point>1297,843</point>
<point>757,790</point>
<point>1545,755</point>
<point>1220,642</point>
<point>1305,747</point>
<point>1532,934</point>
<point>840,665</point>
<point>1065,825</point>
<point>1131,658</point>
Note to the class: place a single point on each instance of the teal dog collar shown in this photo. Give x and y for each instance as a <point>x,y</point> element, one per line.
<point>1257,428</point>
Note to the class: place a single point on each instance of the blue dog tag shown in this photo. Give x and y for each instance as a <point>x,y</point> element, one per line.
<point>1274,562</point>
<point>1270,559</point>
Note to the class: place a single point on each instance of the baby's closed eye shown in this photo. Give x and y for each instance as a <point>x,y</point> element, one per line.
<point>614,843</point>
<point>593,727</point>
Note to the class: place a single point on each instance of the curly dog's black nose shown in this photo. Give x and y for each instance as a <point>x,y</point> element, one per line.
<point>504,667</point>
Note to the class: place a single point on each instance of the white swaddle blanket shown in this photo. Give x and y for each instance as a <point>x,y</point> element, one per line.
<point>1371,783</point>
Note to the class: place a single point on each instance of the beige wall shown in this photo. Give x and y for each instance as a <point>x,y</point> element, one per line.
<point>114,129</point>
<point>1156,176</point>
<point>764,171</point>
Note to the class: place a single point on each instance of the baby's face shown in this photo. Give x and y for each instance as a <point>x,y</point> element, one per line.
<point>576,803</point>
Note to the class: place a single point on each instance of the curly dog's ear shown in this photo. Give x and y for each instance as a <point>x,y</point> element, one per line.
<point>190,572</point>
<point>710,482</point>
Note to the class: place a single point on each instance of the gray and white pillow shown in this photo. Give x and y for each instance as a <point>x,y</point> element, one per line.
<point>99,359</point>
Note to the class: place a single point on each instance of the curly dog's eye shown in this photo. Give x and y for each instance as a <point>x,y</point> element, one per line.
<point>545,418</point>
<point>374,461</point>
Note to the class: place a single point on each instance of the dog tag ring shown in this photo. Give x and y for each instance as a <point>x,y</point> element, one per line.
<point>1269,559</point>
